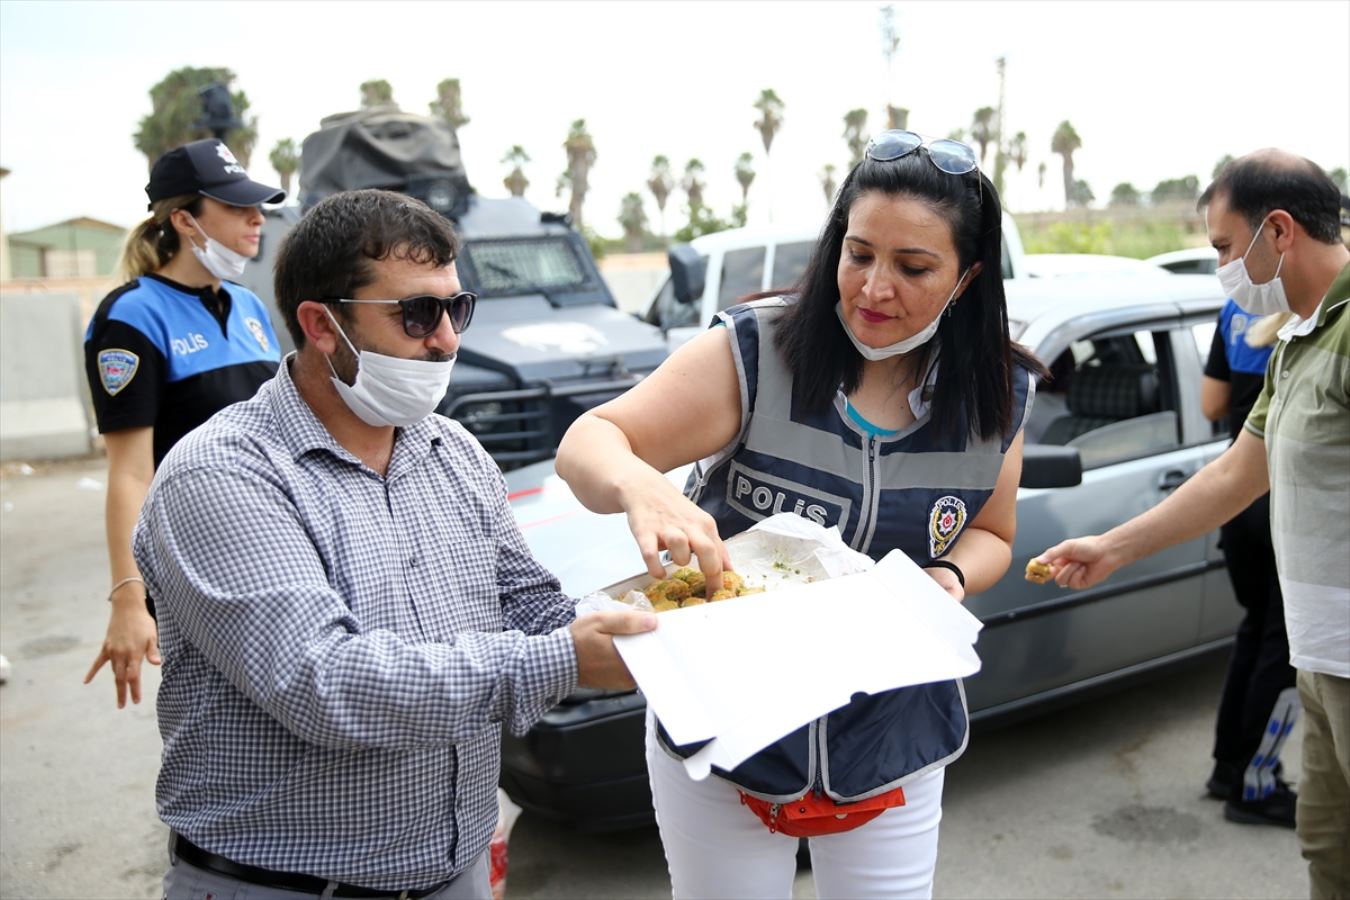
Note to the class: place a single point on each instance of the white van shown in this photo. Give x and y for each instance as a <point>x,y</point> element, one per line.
<point>742,261</point>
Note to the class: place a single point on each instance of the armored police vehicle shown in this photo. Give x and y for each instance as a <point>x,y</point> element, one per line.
<point>548,340</point>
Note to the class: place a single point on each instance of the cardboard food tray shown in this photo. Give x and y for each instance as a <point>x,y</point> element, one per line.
<point>744,672</point>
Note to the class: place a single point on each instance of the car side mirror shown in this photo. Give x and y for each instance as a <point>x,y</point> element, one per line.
<point>686,273</point>
<point>1051,466</point>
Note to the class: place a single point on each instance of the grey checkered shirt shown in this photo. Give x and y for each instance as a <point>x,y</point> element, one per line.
<point>341,649</point>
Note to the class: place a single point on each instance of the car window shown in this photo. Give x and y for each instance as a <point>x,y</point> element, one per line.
<point>509,267</point>
<point>1113,396</point>
<point>742,273</point>
<point>1203,332</point>
<point>789,262</point>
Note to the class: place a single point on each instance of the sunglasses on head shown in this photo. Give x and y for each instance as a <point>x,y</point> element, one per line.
<point>952,157</point>
<point>422,315</point>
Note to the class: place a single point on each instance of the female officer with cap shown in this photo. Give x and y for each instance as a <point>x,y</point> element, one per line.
<point>168,349</point>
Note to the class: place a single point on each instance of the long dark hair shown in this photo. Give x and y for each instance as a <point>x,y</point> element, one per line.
<point>974,381</point>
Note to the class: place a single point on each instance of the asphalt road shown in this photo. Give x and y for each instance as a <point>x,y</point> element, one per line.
<point>1103,799</point>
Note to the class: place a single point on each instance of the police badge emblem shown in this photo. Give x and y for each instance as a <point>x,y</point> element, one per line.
<point>116,368</point>
<point>945,522</point>
<point>259,334</point>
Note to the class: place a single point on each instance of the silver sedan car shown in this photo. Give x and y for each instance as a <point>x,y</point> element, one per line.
<point>1114,431</point>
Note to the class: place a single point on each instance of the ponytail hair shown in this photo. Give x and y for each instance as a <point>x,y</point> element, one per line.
<point>1264,331</point>
<point>151,244</point>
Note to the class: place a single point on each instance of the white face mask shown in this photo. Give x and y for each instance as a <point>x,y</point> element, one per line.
<point>388,390</point>
<point>1257,299</point>
<point>216,258</point>
<point>899,348</point>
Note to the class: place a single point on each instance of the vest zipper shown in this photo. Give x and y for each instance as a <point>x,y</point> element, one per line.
<point>869,501</point>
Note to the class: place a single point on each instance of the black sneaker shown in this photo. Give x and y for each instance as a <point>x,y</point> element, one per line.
<point>1276,808</point>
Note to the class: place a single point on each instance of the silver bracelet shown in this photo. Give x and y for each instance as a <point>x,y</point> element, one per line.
<point>124,581</point>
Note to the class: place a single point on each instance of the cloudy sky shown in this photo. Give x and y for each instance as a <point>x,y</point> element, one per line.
<point>1155,89</point>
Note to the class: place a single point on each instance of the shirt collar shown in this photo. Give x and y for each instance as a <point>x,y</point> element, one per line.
<point>1337,295</point>
<point>303,432</point>
<point>207,292</point>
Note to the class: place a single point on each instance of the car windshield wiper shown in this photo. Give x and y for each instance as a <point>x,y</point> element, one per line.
<point>498,269</point>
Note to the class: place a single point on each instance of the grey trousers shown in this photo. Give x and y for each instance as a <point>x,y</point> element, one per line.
<point>184,881</point>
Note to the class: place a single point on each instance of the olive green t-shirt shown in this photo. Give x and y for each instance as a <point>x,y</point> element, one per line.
<point>1303,415</point>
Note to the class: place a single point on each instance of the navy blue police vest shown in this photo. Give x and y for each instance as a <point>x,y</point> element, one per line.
<point>914,491</point>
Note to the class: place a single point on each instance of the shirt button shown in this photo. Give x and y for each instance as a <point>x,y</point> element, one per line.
<point>412,563</point>
<point>1284,374</point>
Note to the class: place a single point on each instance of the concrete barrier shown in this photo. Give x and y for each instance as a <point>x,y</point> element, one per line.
<point>44,405</point>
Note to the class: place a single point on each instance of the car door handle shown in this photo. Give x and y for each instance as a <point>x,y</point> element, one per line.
<point>1172,480</point>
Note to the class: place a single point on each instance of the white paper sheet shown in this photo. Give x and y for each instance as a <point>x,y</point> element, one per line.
<point>746,672</point>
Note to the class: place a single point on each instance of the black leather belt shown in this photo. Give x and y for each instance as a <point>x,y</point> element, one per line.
<point>286,881</point>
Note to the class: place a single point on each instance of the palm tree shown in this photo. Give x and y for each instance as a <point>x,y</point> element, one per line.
<point>660,182</point>
<point>693,185</point>
<point>515,181</point>
<point>827,182</point>
<point>770,116</point>
<point>633,218</point>
<point>770,107</point>
<point>982,130</point>
<point>376,93</point>
<point>855,134</point>
<point>1017,149</point>
<point>176,108</point>
<point>1065,142</point>
<point>745,175</point>
<point>580,158</point>
<point>1218,166</point>
<point>897,116</point>
<point>285,159</point>
<point>1040,176</point>
<point>449,106</point>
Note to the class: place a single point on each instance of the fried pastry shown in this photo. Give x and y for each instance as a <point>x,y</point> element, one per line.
<point>1038,572</point>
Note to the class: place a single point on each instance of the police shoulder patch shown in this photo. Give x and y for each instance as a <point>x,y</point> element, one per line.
<point>945,521</point>
<point>116,368</point>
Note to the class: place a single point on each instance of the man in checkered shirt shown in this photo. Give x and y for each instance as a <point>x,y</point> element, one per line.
<point>348,613</point>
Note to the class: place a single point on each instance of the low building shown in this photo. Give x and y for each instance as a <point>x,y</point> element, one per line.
<point>76,248</point>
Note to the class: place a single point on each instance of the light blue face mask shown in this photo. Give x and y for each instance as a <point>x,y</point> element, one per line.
<point>899,348</point>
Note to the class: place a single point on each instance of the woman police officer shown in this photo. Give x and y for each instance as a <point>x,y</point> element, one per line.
<point>168,349</point>
<point>884,390</point>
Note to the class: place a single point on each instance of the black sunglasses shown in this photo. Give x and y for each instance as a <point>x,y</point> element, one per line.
<point>422,315</point>
<point>952,157</point>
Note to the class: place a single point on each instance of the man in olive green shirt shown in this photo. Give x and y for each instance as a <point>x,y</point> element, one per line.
<point>1275,220</point>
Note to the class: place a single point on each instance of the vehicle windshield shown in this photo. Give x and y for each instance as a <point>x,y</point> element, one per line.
<point>523,267</point>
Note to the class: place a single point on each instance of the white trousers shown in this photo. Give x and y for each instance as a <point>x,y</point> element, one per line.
<point>717,848</point>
